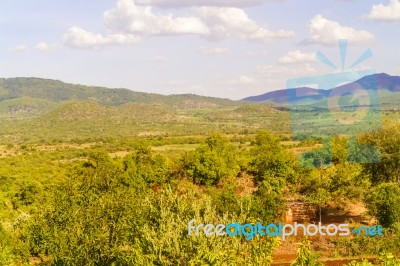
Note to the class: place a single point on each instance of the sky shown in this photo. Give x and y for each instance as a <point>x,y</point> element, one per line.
<point>221,48</point>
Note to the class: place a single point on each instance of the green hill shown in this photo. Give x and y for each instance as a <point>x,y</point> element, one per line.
<point>34,96</point>
<point>33,109</point>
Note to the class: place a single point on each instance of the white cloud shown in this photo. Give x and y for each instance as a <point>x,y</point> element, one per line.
<point>214,51</point>
<point>294,57</point>
<point>242,80</point>
<point>287,71</point>
<point>19,48</point>
<point>246,80</point>
<point>234,22</point>
<point>128,22</point>
<point>391,12</point>
<point>128,18</point>
<point>79,38</point>
<point>328,32</point>
<point>45,47</point>
<point>255,53</point>
<point>42,46</point>
<point>186,3</point>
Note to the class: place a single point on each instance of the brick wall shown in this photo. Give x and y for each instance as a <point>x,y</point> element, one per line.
<point>301,212</point>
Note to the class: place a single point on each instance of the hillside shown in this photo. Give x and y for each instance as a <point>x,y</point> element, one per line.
<point>43,110</point>
<point>33,109</point>
<point>34,96</point>
<point>388,86</point>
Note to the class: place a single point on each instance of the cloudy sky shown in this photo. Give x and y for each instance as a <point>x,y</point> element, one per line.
<point>223,48</point>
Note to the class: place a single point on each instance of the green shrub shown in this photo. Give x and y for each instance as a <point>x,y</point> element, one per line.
<point>384,203</point>
<point>270,159</point>
<point>213,160</point>
<point>305,256</point>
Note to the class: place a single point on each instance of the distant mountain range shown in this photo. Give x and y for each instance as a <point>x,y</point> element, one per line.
<point>58,91</point>
<point>34,96</point>
<point>388,87</point>
<point>53,111</point>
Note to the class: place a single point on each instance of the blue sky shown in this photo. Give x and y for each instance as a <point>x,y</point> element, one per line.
<point>222,48</point>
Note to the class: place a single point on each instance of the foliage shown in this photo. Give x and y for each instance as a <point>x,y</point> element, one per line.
<point>362,263</point>
<point>387,259</point>
<point>384,203</point>
<point>339,150</point>
<point>387,141</point>
<point>143,166</point>
<point>29,192</point>
<point>164,239</point>
<point>6,255</point>
<point>227,199</point>
<point>305,256</point>
<point>319,197</point>
<point>89,220</point>
<point>269,200</point>
<point>270,159</point>
<point>214,159</point>
<point>106,198</point>
<point>93,219</point>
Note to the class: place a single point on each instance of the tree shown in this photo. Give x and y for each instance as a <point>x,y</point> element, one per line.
<point>318,193</point>
<point>387,141</point>
<point>270,159</point>
<point>29,192</point>
<point>214,159</point>
<point>90,218</point>
<point>320,198</point>
<point>143,167</point>
<point>269,201</point>
<point>384,203</point>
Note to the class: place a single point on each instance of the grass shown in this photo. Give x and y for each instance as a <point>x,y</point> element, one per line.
<point>176,147</point>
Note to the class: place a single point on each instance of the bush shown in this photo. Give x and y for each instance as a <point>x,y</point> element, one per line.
<point>384,203</point>
<point>269,158</point>
<point>268,201</point>
<point>305,256</point>
<point>214,159</point>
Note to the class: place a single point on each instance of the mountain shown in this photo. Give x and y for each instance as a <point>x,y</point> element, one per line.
<point>36,110</point>
<point>388,86</point>
<point>281,96</point>
<point>21,97</point>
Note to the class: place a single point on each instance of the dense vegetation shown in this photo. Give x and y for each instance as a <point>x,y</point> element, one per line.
<point>113,183</point>
<point>85,207</point>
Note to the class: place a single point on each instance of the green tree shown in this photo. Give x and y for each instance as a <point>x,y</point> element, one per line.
<point>320,198</point>
<point>318,192</point>
<point>270,159</point>
<point>143,167</point>
<point>384,203</point>
<point>269,201</point>
<point>29,192</point>
<point>214,159</point>
<point>90,218</point>
<point>387,141</point>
